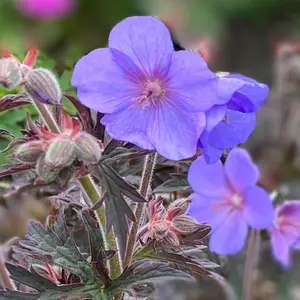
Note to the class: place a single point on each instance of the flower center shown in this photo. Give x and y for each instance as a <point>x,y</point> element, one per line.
<point>236,200</point>
<point>152,92</point>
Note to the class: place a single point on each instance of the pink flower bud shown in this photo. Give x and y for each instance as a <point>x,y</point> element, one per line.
<point>46,9</point>
<point>10,73</point>
<point>29,152</point>
<point>61,153</point>
<point>41,85</point>
<point>88,149</point>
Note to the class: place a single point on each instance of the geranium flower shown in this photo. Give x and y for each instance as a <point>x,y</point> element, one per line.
<point>228,199</point>
<point>285,231</point>
<point>151,95</point>
<point>231,124</point>
<point>45,9</point>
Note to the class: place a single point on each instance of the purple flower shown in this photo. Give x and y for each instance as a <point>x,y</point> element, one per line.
<point>228,199</point>
<point>231,124</point>
<point>45,9</point>
<point>285,231</point>
<point>151,95</point>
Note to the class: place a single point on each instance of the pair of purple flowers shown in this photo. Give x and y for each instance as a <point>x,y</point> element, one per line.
<point>170,101</point>
<point>160,99</point>
<point>228,199</point>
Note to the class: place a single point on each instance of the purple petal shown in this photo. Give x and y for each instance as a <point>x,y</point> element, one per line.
<point>230,237</point>
<point>240,170</point>
<point>249,96</point>
<point>129,125</point>
<point>146,41</point>
<point>290,210</point>
<point>280,247</point>
<point>258,209</point>
<point>190,85</point>
<point>236,130</point>
<point>104,86</point>
<point>214,116</point>
<point>212,211</point>
<point>210,154</point>
<point>172,132</point>
<point>208,180</point>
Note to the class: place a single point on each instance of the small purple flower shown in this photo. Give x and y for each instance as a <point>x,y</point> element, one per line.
<point>231,124</point>
<point>228,199</point>
<point>285,231</point>
<point>45,9</point>
<point>151,95</point>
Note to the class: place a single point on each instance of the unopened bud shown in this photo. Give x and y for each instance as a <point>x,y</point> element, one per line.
<point>29,152</point>
<point>185,225</point>
<point>88,149</point>
<point>61,153</point>
<point>41,85</point>
<point>183,203</point>
<point>44,172</point>
<point>10,73</point>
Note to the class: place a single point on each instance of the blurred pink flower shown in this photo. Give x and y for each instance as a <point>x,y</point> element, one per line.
<point>45,9</point>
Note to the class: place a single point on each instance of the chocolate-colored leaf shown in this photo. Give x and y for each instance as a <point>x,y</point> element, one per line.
<point>4,132</point>
<point>13,101</point>
<point>177,184</point>
<point>10,169</point>
<point>13,295</point>
<point>117,209</point>
<point>145,271</point>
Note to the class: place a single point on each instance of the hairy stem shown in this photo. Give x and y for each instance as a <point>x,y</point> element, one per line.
<point>4,275</point>
<point>91,190</point>
<point>147,174</point>
<point>251,261</point>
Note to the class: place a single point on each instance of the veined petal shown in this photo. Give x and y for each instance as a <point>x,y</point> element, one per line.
<point>240,170</point>
<point>249,95</point>
<point>230,237</point>
<point>213,211</point>
<point>129,125</point>
<point>102,84</point>
<point>258,209</point>
<point>214,116</point>
<point>146,40</point>
<point>190,85</point>
<point>235,130</point>
<point>209,180</point>
<point>172,132</point>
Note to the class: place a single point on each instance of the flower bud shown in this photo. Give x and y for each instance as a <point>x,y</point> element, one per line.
<point>41,85</point>
<point>183,203</point>
<point>185,225</point>
<point>61,153</point>
<point>10,73</point>
<point>88,149</point>
<point>44,172</point>
<point>29,152</point>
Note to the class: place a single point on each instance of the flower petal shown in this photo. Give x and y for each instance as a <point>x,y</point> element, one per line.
<point>258,209</point>
<point>172,132</point>
<point>236,130</point>
<point>212,211</point>
<point>230,237</point>
<point>129,125</point>
<point>190,85</point>
<point>214,116</point>
<point>146,40</point>
<point>102,84</point>
<point>249,95</point>
<point>210,154</point>
<point>240,170</point>
<point>208,180</point>
<point>280,247</point>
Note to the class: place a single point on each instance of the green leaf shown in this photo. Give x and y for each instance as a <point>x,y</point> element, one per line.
<point>145,271</point>
<point>117,209</point>
<point>45,241</point>
<point>177,184</point>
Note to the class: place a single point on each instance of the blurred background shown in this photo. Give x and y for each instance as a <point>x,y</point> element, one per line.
<point>258,38</point>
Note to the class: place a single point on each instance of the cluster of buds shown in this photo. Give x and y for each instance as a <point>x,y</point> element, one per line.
<point>58,155</point>
<point>40,84</point>
<point>168,227</point>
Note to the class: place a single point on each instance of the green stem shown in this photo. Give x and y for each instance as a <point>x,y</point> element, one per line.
<point>90,188</point>
<point>148,170</point>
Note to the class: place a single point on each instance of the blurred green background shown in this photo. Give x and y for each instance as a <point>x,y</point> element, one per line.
<point>242,36</point>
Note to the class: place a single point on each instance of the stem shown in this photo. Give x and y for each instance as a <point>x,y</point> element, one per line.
<point>148,170</point>
<point>92,191</point>
<point>4,275</point>
<point>251,261</point>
